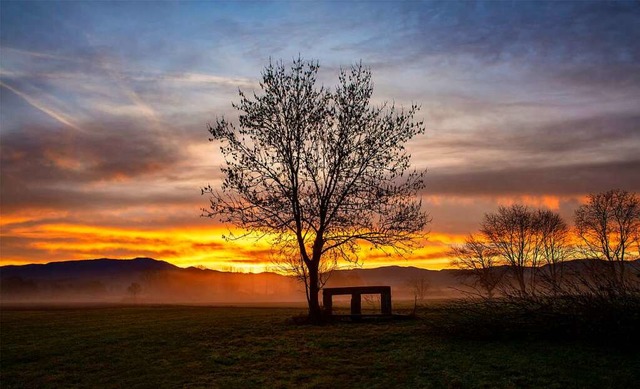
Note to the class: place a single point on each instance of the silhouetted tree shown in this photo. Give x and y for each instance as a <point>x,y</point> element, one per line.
<point>480,262</point>
<point>134,289</point>
<point>525,239</point>
<point>419,287</point>
<point>554,240</point>
<point>318,171</point>
<point>17,286</point>
<point>608,226</point>
<point>511,231</point>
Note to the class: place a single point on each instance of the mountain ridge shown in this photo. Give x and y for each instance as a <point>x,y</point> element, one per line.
<point>108,279</point>
<point>80,266</point>
<point>170,265</point>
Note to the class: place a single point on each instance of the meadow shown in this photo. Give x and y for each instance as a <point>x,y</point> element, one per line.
<point>246,347</point>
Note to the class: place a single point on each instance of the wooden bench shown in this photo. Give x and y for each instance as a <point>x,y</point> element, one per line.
<point>356,293</point>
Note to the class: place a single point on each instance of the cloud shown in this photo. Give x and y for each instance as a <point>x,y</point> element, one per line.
<point>46,240</point>
<point>497,52</point>
<point>562,180</point>
<point>107,151</point>
<point>551,32</point>
<point>596,138</point>
<point>104,106</point>
<point>59,116</point>
<point>109,164</point>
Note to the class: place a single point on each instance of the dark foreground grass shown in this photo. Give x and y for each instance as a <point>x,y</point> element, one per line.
<point>129,347</point>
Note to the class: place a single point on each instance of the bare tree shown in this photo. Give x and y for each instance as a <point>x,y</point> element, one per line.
<point>372,301</point>
<point>134,290</point>
<point>319,172</point>
<point>419,286</point>
<point>554,240</point>
<point>480,262</point>
<point>608,226</point>
<point>512,232</point>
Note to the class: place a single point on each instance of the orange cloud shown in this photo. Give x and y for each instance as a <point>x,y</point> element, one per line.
<point>545,201</point>
<point>551,202</point>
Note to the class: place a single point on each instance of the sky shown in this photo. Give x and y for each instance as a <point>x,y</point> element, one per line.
<point>104,111</point>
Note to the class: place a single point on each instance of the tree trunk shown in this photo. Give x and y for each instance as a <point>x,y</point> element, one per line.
<point>315,313</point>
<point>623,289</point>
<point>519,273</point>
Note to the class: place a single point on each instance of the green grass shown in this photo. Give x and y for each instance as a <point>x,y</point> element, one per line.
<point>168,346</point>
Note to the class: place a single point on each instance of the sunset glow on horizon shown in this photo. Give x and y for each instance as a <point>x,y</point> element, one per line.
<point>204,243</point>
<point>104,107</point>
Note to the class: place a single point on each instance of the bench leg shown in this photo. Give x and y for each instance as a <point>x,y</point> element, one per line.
<point>356,304</point>
<point>327,303</point>
<point>385,303</point>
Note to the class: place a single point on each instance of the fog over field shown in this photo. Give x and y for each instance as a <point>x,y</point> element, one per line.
<point>106,280</point>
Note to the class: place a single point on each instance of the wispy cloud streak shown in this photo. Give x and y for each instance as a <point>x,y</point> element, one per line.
<point>59,116</point>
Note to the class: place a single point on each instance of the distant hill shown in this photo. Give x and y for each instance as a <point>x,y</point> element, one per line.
<point>107,280</point>
<point>94,268</point>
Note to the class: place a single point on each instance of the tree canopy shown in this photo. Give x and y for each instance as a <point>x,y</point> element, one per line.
<point>319,171</point>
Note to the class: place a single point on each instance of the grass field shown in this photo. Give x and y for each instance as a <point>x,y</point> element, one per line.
<point>227,347</point>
